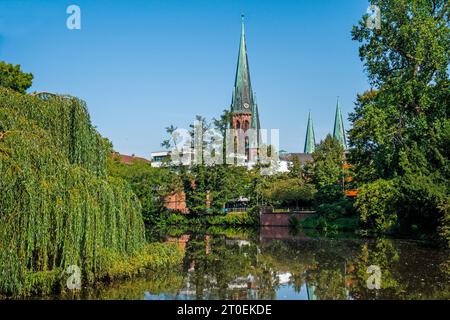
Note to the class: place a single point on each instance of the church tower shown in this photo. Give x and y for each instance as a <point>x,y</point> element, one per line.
<point>244,108</point>
<point>339,132</point>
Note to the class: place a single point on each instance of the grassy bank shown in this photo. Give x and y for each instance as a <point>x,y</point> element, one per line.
<point>351,224</point>
<point>153,257</point>
<point>322,223</point>
<point>156,233</point>
<point>233,219</point>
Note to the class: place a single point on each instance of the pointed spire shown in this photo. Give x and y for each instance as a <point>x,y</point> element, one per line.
<point>255,126</point>
<point>310,141</point>
<point>243,96</point>
<point>339,131</point>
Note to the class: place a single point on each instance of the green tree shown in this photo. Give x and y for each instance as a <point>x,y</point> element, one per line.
<point>11,76</point>
<point>209,187</point>
<point>326,173</point>
<point>375,205</point>
<point>401,130</point>
<point>290,192</point>
<point>222,124</point>
<point>151,185</point>
<point>326,168</point>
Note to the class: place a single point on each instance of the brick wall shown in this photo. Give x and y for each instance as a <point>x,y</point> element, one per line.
<point>282,219</point>
<point>176,202</point>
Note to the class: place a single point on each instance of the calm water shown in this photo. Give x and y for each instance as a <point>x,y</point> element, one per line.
<point>273,264</point>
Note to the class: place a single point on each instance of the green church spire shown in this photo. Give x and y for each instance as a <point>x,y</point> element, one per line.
<point>243,96</point>
<point>310,141</point>
<point>339,132</point>
<point>255,126</point>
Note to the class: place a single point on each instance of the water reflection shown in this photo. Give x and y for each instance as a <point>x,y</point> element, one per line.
<point>274,264</point>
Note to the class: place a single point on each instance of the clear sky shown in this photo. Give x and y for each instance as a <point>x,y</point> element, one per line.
<point>143,65</point>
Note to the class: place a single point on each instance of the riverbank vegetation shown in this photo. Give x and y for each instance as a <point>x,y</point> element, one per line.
<point>151,185</point>
<point>65,201</point>
<point>401,129</point>
<point>58,205</point>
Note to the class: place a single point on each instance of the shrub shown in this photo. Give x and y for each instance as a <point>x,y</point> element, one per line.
<point>375,204</point>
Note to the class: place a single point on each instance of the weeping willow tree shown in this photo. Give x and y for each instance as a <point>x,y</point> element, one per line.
<point>58,206</point>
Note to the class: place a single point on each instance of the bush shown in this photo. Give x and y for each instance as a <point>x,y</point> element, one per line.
<point>326,224</point>
<point>154,256</point>
<point>168,218</point>
<point>375,205</point>
<point>290,192</point>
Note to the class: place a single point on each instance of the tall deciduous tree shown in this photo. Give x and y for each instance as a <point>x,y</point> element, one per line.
<point>401,130</point>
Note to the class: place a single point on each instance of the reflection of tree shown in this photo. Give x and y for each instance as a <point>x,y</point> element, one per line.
<point>298,279</point>
<point>225,267</point>
<point>327,268</point>
<point>381,253</point>
<point>215,269</point>
<point>266,278</point>
<point>329,284</point>
<point>166,282</point>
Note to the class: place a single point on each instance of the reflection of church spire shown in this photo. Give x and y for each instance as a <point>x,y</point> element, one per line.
<point>310,292</point>
<point>310,141</point>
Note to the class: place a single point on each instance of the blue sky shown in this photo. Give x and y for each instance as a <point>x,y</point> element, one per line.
<point>143,65</point>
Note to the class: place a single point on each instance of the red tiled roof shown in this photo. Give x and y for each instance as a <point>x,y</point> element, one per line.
<point>302,157</point>
<point>126,159</point>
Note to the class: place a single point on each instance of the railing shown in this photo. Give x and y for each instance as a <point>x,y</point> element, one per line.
<point>242,209</point>
<point>287,210</point>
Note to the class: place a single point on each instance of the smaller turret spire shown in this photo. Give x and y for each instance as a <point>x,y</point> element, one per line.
<point>255,126</point>
<point>310,141</point>
<point>339,131</point>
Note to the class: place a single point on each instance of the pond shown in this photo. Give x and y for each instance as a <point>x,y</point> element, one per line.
<point>272,263</point>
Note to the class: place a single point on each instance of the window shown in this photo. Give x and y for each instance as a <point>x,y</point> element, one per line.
<point>246,125</point>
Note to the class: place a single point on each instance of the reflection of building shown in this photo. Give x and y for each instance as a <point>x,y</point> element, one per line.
<point>240,243</point>
<point>180,241</point>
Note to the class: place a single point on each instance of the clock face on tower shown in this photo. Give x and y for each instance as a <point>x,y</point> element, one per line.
<point>246,105</point>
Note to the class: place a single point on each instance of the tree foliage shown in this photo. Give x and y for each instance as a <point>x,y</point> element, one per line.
<point>11,76</point>
<point>326,173</point>
<point>326,167</point>
<point>58,206</point>
<point>401,129</point>
<point>151,185</point>
<point>290,192</point>
<point>375,205</point>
